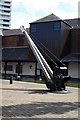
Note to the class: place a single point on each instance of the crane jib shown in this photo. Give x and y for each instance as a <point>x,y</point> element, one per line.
<point>54,80</point>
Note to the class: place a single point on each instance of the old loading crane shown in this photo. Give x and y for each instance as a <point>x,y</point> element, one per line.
<point>55,79</point>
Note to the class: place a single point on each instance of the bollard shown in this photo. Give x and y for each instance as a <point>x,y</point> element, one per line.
<point>11,79</point>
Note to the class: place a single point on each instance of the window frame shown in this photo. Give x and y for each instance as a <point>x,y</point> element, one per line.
<point>8,67</point>
<point>56,25</point>
<point>33,28</point>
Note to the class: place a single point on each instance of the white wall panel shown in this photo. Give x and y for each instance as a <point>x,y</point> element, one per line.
<point>73,69</point>
<point>26,69</point>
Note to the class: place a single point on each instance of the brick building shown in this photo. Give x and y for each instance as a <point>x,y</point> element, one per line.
<point>60,37</point>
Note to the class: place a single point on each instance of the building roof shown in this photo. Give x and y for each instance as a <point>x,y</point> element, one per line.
<point>70,22</point>
<point>48,18</point>
<point>74,57</point>
<point>13,32</point>
<point>73,22</point>
<point>17,54</point>
<point>51,18</point>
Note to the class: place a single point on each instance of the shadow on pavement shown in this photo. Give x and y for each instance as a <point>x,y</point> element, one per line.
<point>38,108</point>
<point>34,91</point>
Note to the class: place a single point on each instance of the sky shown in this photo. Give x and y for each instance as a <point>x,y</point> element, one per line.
<point>27,11</point>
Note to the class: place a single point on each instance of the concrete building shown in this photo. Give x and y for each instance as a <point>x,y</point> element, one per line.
<point>5,14</point>
<point>79,9</point>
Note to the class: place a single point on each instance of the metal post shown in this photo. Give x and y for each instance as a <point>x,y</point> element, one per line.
<point>11,78</point>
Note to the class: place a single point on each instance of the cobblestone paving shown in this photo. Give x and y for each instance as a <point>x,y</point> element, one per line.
<point>30,100</point>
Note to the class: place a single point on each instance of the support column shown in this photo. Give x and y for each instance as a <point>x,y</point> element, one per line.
<point>19,68</point>
<point>54,77</point>
<point>5,69</point>
<point>35,70</point>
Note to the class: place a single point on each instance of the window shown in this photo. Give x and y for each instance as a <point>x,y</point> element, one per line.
<point>33,28</point>
<point>7,11</point>
<point>7,2</point>
<point>57,26</point>
<point>20,41</point>
<point>8,67</point>
<point>6,20</point>
<point>6,6</point>
<point>5,25</point>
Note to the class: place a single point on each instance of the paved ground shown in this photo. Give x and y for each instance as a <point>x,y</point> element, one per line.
<point>30,100</point>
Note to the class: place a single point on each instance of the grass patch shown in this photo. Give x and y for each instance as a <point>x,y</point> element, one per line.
<point>73,84</point>
<point>36,81</point>
<point>33,81</point>
<point>69,83</point>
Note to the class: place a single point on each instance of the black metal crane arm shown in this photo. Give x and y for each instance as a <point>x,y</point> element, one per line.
<point>46,51</point>
<point>54,80</point>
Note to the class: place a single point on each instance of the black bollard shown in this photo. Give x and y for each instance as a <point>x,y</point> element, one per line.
<point>11,79</point>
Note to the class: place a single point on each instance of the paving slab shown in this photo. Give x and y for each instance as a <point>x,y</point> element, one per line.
<point>32,100</point>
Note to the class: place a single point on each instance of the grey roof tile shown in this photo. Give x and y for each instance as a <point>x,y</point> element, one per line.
<point>13,32</point>
<point>73,22</point>
<point>17,54</point>
<point>48,18</point>
<point>74,57</point>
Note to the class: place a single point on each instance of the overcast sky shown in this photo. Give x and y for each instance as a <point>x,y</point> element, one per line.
<point>27,11</point>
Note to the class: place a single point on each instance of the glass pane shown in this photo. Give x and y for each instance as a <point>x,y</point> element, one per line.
<point>56,26</point>
<point>33,28</point>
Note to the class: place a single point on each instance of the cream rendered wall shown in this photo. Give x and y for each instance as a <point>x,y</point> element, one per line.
<point>73,69</point>
<point>26,68</point>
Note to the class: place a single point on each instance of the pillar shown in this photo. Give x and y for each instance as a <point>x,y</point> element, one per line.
<point>5,69</point>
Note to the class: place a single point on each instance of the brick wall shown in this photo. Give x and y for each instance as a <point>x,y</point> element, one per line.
<point>11,41</point>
